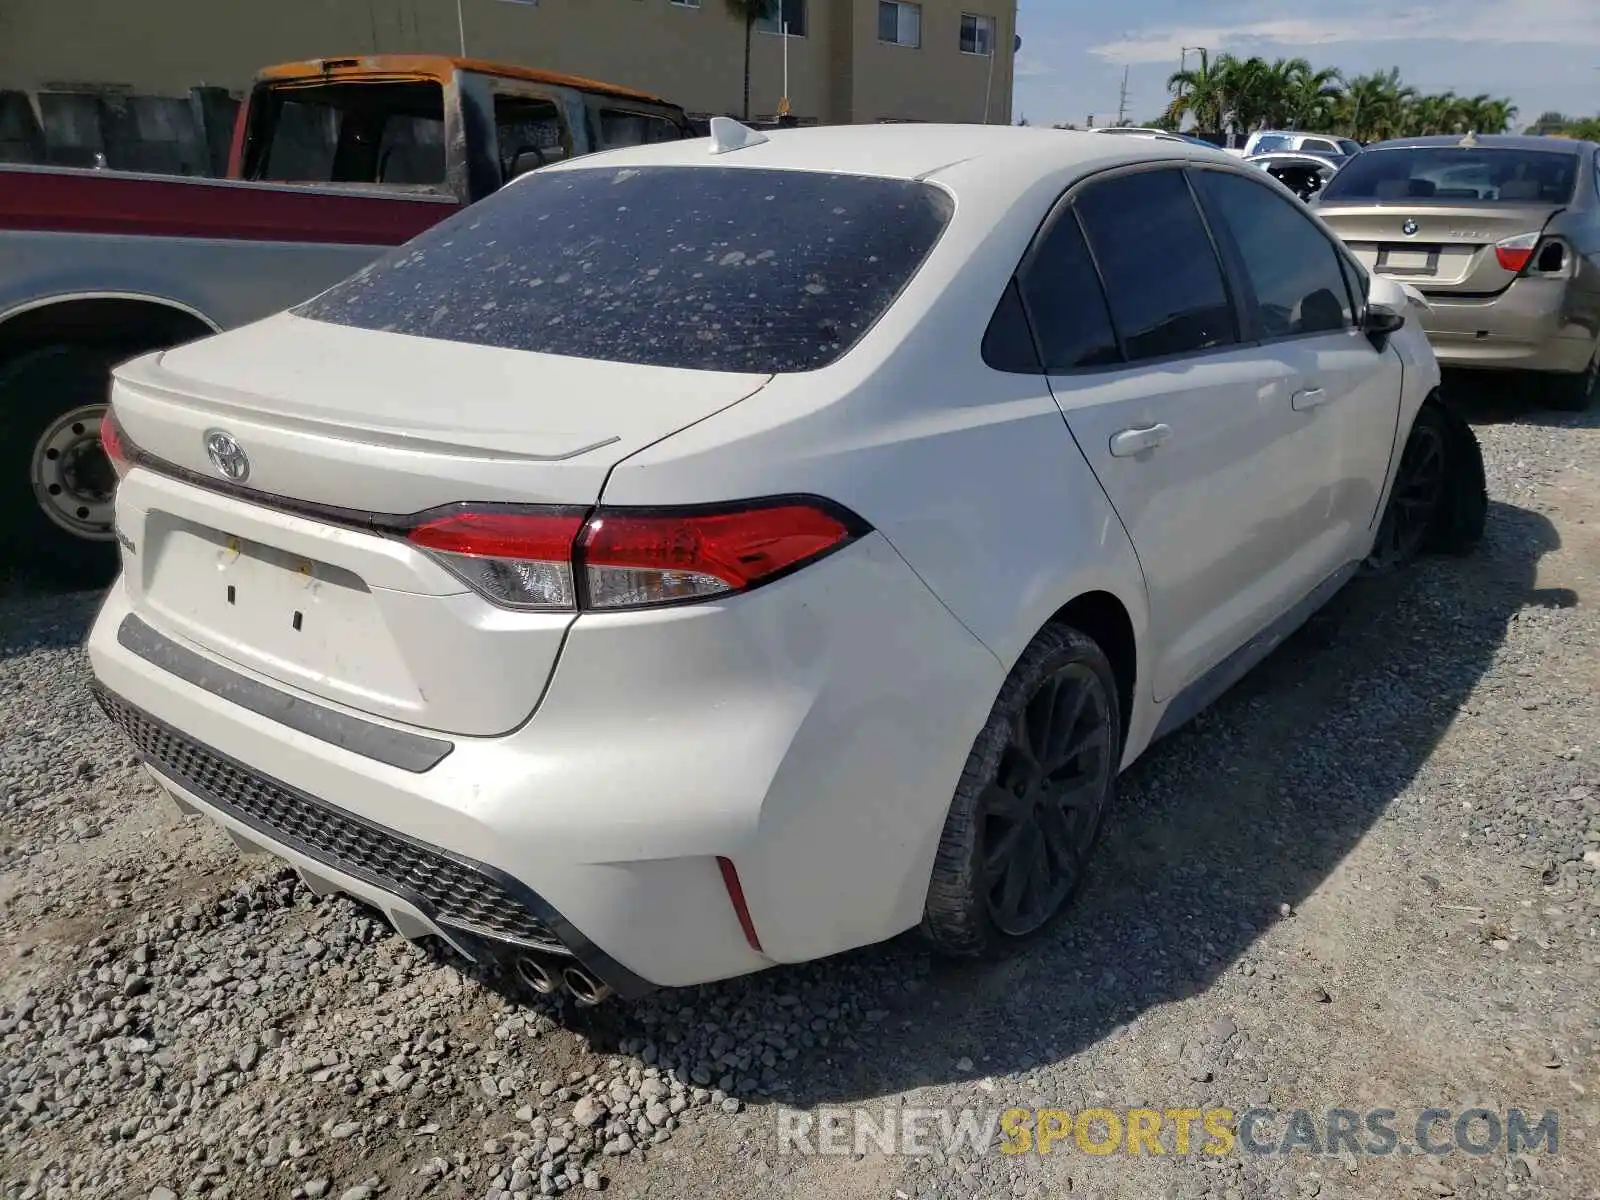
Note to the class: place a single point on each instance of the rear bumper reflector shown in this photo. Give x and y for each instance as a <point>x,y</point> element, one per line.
<point>455,892</point>
<point>730,880</point>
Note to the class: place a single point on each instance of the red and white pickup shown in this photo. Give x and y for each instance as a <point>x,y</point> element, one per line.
<point>333,162</point>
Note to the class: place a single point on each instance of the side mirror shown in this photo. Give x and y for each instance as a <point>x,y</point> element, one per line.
<point>1379,321</point>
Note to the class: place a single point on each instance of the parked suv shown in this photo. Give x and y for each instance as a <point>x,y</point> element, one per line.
<point>1500,234</point>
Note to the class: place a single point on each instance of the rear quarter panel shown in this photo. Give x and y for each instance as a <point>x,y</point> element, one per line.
<point>970,473</point>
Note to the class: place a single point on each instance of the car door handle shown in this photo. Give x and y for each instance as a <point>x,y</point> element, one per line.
<point>1308,398</point>
<point>1136,441</point>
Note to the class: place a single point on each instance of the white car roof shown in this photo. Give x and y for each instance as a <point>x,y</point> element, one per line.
<point>1019,155</point>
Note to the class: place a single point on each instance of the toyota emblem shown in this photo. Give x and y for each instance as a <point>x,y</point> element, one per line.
<point>227,456</point>
<point>1409,228</point>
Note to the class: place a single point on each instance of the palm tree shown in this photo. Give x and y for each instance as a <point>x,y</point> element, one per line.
<point>1440,113</point>
<point>1199,90</point>
<point>1312,96</point>
<point>1486,114</point>
<point>1251,88</point>
<point>1374,105</point>
<point>751,11</point>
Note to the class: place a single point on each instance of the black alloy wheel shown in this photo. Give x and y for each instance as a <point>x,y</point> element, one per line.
<point>1417,495</point>
<point>1031,801</point>
<point>1043,809</point>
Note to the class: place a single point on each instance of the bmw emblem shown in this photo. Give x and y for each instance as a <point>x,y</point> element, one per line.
<point>227,456</point>
<point>1409,227</point>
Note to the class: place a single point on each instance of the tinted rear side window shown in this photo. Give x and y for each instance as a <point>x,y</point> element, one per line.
<point>1161,272</point>
<point>1066,302</point>
<point>709,268</point>
<point>1481,174</point>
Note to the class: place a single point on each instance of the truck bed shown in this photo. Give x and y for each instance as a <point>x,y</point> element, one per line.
<point>76,200</point>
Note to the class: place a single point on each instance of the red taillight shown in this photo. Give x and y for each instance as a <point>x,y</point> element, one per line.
<point>1513,253</point>
<point>633,559</point>
<point>114,441</point>
<point>535,559</point>
<point>518,559</point>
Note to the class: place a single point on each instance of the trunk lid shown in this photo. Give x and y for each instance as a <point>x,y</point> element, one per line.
<point>371,423</point>
<point>1436,248</point>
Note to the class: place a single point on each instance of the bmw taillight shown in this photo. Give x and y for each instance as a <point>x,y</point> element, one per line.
<point>558,559</point>
<point>1533,254</point>
<point>1513,253</point>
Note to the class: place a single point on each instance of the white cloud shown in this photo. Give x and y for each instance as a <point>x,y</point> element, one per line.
<point>1496,22</point>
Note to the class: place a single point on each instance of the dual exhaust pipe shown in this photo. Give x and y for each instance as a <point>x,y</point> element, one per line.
<point>548,976</point>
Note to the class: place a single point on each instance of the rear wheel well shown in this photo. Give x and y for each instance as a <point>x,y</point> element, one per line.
<point>119,323</point>
<point>1102,617</point>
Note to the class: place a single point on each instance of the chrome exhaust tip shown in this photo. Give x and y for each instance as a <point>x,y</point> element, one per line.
<point>585,988</point>
<point>536,974</point>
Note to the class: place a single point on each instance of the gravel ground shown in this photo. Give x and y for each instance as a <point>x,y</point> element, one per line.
<point>1367,878</point>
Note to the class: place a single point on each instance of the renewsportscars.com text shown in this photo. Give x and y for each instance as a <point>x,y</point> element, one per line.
<point>1218,1131</point>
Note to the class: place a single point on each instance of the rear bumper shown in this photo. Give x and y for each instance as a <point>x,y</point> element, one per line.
<point>423,890</point>
<point>1527,327</point>
<point>812,733</point>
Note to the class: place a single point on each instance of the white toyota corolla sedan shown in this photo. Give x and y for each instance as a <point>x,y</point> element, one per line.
<point>711,555</point>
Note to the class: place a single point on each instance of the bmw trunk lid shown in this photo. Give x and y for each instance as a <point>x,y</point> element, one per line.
<point>1436,248</point>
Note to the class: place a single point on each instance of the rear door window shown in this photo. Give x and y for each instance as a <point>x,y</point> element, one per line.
<point>1065,302</point>
<point>710,268</point>
<point>1292,268</point>
<point>1162,277</point>
<point>1475,174</point>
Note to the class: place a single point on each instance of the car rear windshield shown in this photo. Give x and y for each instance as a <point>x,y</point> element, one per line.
<point>1482,174</point>
<point>708,268</point>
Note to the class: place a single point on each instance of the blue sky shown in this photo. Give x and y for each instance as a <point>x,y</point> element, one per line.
<point>1544,54</point>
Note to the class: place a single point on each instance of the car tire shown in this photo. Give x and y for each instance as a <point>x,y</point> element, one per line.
<point>1439,453</point>
<point>1574,393</point>
<point>1458,525</point>
<point>39,389</point>
<point>1012,817</point>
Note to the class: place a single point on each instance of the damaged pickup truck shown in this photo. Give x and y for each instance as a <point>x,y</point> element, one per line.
<point>333,162</point>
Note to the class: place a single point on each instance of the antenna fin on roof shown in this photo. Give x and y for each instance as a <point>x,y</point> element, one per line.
<point>728,134</point>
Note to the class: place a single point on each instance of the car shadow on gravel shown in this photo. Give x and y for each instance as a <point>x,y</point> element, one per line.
<point>1246,809</point>
<point>32,618</point>
<point>1505,398</point>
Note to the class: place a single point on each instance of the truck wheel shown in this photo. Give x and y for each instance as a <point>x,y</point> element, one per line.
<point>56,484</point>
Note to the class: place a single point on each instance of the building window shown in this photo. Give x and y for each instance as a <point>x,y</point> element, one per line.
<point>785,12</point>
<point>899,24</point>
<point>977,34</point>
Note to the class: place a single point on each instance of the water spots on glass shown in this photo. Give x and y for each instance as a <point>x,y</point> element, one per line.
<point>708,268</point>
